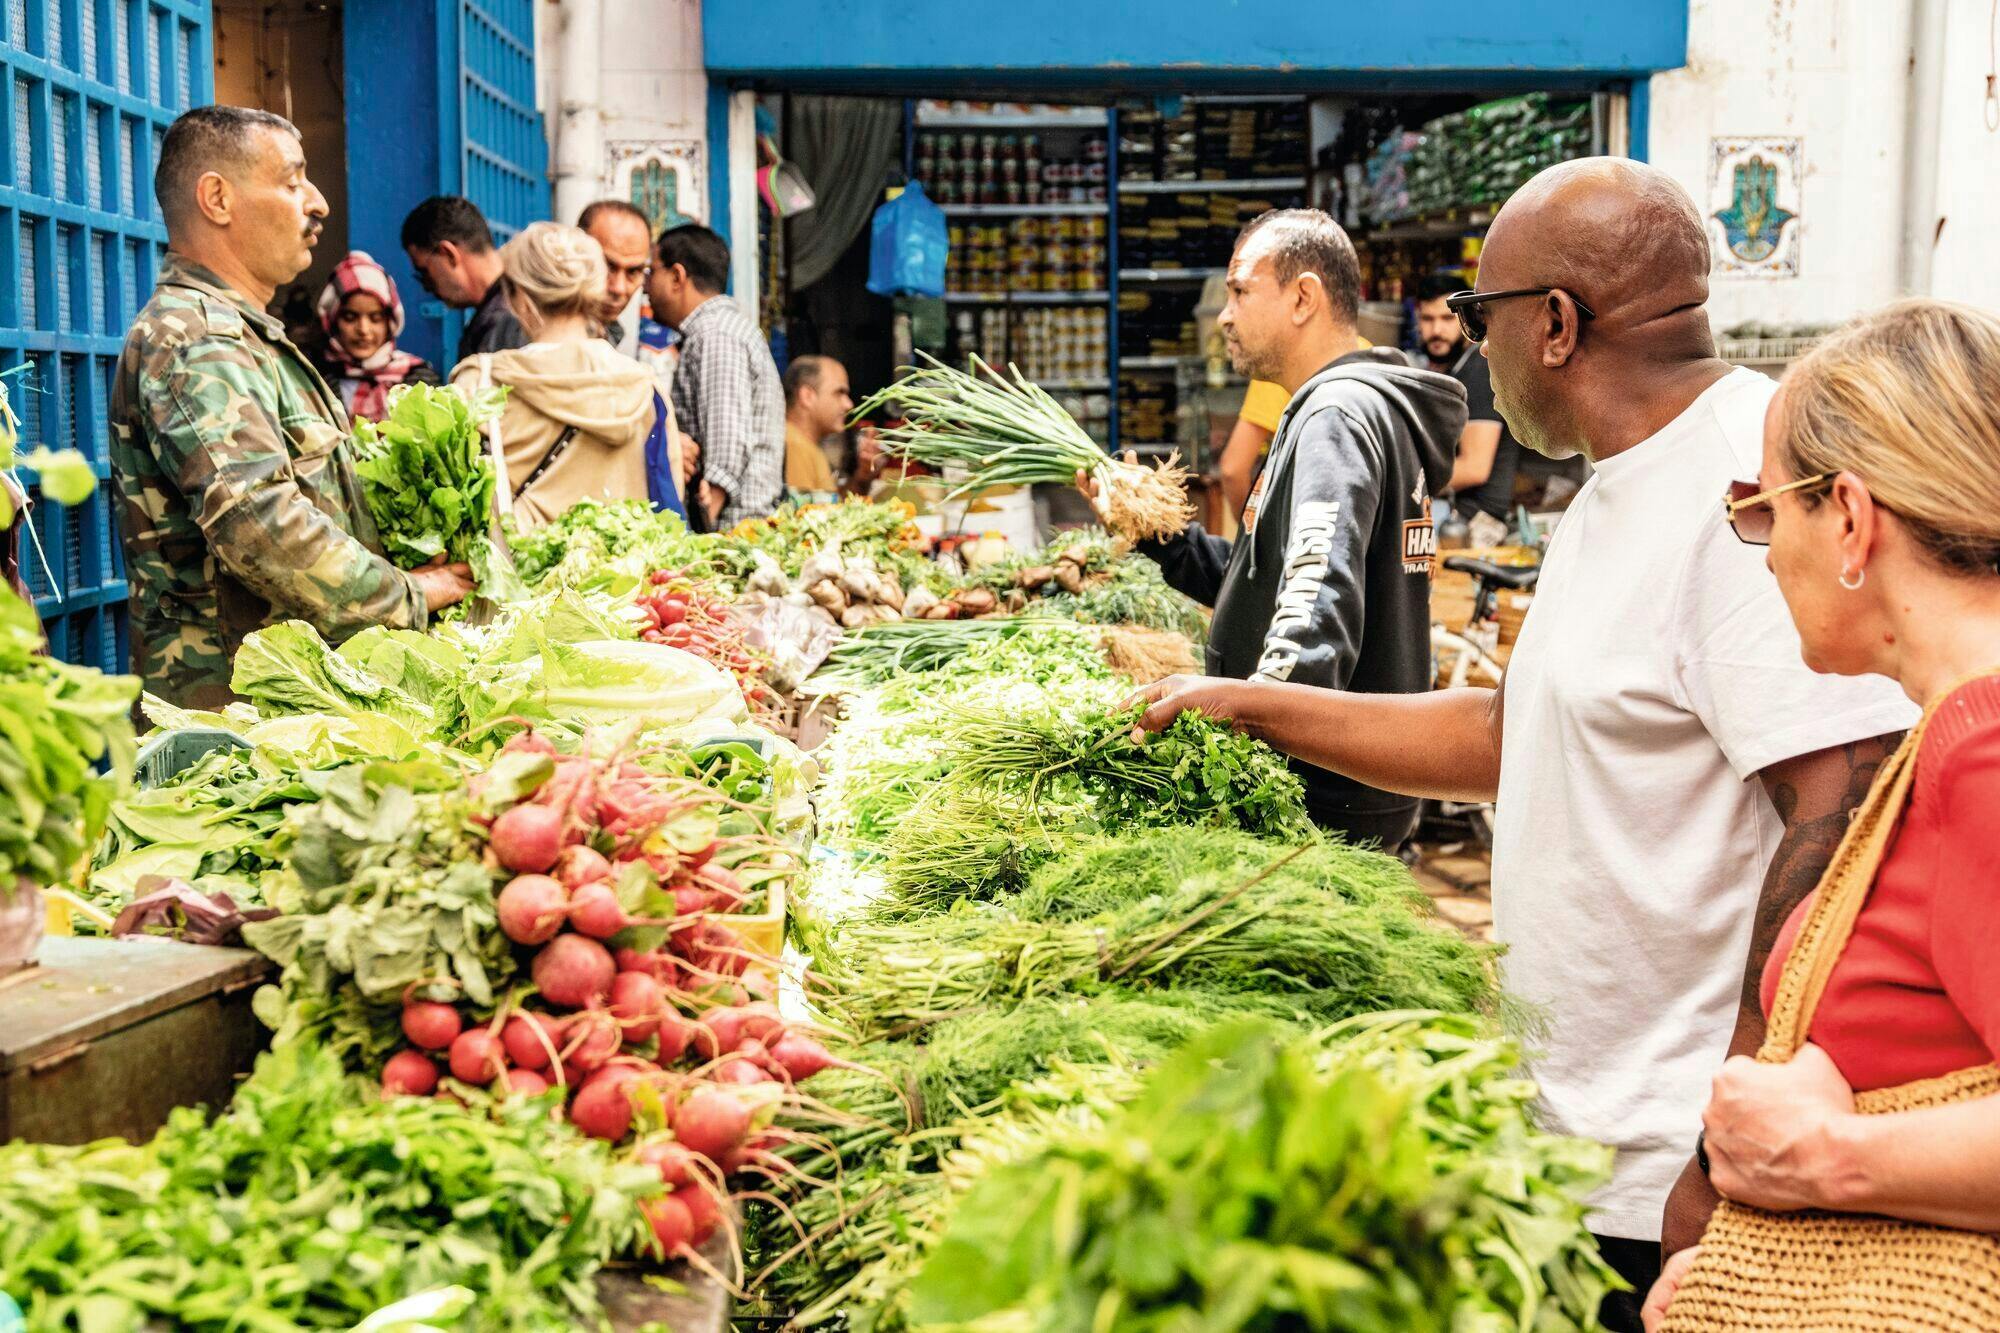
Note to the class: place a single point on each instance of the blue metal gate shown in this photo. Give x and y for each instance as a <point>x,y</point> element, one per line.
<point>454,113</point>
<point>91,86</point>
<point>505,153</point>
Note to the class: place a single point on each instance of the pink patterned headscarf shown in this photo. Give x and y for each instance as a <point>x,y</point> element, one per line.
<point>365,383</point>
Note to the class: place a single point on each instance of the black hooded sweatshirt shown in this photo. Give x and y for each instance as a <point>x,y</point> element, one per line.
<point>1329,583</point>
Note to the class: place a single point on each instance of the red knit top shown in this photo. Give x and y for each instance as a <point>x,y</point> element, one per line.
<point>1916,993</point>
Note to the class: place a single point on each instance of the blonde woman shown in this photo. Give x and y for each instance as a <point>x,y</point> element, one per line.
<point>579,413</point>
<point>1880,502</point>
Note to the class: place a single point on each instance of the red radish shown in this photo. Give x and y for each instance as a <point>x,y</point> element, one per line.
<point>637,1000</point>
<point>431,1025</point>
<point>602,1109</point>
<point>800,1056</point>
<point>712,1121</point>
<point>528,742</point>
<point>409,1074</point>
<point>692,901</point>
<point>674,1162</point>
<point>673,1229</point>
<point>702,1208</point>
<point>528,837</point>
<point>477,1057</point>
<point>527,1082</point>
<point>595,1038</point>
<point>579,865</point>
<point>675,1034</point>
<point>756,1052</point>
<point>698,859</point>
<point>672,610</point>
<point>657,965</point>
<point>729,1025</point>
<point>594,910</point>
<point>573,971</point>
<point>532,909</point>
<point>523,1035</point>
<point>742,1072</point>
<point>760,1020</point>
<point>726,886</point>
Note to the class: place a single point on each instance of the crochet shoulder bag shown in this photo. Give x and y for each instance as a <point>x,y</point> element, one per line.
<point>1828,1272</point>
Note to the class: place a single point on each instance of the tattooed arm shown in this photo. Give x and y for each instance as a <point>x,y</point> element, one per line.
<point>1815,795</point>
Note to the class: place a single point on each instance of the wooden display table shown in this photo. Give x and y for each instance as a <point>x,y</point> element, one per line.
<point>104,1037</point>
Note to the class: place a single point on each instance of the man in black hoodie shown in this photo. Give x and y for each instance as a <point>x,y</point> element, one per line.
<point>1329,583</point>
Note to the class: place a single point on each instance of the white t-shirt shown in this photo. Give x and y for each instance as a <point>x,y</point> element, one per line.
<point>1656,673</point>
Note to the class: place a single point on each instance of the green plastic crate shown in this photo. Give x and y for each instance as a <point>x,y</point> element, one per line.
<point>174,752</point>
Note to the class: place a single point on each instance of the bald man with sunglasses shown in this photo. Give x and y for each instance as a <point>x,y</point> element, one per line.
<point>1640,875</point>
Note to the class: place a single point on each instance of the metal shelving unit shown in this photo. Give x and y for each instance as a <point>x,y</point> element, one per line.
<point>1026,298</point>
<point>1169,274</point>
<point>1021,210</point>
<point>1253,185</point>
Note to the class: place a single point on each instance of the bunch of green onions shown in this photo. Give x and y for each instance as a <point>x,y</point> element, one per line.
<point>897,648</point>
<point>1009,432</point>
<point>1302,941</point>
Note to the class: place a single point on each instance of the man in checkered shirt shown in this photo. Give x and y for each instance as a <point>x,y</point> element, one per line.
<point>726,393</point>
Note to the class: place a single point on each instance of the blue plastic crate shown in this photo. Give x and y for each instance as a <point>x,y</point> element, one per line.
<point>78,246</point>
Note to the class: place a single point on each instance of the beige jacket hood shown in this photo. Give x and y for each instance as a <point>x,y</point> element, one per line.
<point>605,395</point>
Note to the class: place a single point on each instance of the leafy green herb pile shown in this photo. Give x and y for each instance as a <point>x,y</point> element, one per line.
<point>429,481</point>
<point>1197,771</point>
<point>597,541</point>
<point>57,722</point>
<point>878,654</point>
<point>311,1203</point>
<point>426,473</point>
<point>384,891</point>
<point>1392,1182</point>
<point>1200,910</point>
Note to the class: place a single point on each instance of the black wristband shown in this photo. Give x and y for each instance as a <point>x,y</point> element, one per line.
<point>1701,1151</point>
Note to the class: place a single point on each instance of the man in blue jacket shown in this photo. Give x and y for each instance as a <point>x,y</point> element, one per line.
<point>1329,582</point>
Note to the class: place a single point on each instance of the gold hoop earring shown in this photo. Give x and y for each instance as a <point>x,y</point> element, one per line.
<point>1860,577</point>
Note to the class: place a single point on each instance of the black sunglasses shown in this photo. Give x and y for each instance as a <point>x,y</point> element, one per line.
<point>1473,320</point>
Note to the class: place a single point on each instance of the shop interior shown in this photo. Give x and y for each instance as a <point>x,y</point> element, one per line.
<point>1088,242</point>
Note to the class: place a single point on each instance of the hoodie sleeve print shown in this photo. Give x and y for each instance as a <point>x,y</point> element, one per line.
<point>1315,634</point>
<point>1192,562</point>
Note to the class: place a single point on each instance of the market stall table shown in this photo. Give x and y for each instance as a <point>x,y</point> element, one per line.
<point>104,1037</point>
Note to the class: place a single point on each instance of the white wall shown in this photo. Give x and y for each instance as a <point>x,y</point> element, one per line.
<point>652,89</point>
<point>1964,264</point>
<point>1831,72</point>
<point>1837,74</point>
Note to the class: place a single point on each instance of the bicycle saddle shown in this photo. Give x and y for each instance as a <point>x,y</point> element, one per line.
<point>1502,576</point>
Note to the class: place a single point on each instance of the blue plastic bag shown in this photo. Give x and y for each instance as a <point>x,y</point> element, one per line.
<point>909,245</point>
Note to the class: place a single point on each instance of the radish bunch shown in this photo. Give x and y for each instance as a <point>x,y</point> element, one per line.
<point>679,616</point>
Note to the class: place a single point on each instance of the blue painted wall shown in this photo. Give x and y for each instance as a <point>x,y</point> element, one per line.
<point>1187,43</point>
<point>396,154</point>
<point>451,113</point>
<point>90,87</point>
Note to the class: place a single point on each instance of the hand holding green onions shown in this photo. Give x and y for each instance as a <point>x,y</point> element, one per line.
<point>1009,432</point>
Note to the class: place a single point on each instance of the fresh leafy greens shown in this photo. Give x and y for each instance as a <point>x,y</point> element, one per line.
<point>312,1203</point>
<point>426,474</point>
<point>1384,1177</point>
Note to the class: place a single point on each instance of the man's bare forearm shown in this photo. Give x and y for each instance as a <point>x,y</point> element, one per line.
<point>1442,745</point>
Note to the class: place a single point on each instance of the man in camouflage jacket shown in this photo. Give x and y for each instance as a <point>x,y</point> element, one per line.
<point>238,500</point>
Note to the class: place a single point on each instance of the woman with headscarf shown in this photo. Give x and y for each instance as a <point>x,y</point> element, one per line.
<point>363,316</point>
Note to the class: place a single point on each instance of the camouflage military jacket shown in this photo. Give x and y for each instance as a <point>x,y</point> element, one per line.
<point>237,496</point>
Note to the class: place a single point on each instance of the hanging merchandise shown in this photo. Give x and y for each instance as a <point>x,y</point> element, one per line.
<point>910,243</point>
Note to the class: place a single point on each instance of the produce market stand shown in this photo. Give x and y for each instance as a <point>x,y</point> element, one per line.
<point>104,1037</point>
